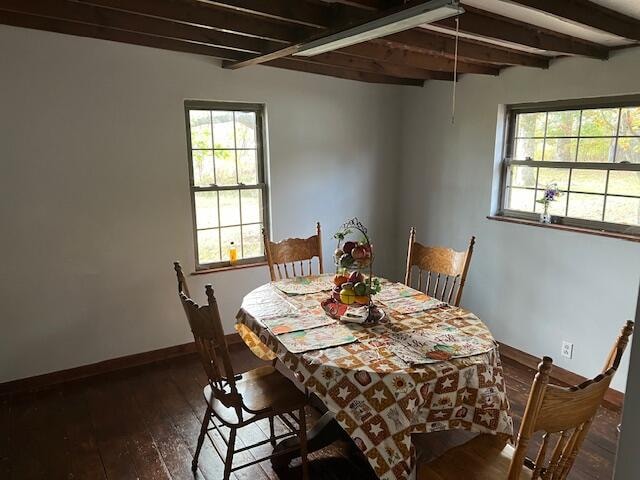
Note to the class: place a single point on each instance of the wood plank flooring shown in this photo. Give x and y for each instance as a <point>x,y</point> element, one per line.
<point>143,423</point>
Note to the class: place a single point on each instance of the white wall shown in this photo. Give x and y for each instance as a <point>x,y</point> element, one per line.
<point>534,287</point>
<point>94,198</point>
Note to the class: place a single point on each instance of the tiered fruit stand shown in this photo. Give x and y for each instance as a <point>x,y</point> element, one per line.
<point>354,282</point>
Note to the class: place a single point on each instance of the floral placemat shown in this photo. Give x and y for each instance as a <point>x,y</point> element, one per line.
<point>413,304</point>
<point>437,343</point>
<point>304,285</point>
<point>295,323</point>
<point>391,291</point>
<point>317,338</point>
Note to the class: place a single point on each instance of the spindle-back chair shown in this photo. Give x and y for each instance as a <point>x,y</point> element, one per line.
<point>234,401</point>
<point>285,255</point>
<point>442,272</point>
<point>562,415</point>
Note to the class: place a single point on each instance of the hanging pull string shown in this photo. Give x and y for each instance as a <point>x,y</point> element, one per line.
<point>455,71</point>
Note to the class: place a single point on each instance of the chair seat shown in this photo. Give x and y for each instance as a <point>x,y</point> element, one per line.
<point>264,390</point>
<point>485,457</point>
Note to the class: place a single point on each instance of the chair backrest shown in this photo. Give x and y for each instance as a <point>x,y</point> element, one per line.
<point>211,345</point>
<point>563,415</point>
<point>292,252</point>
<point>182,282</point>
<point>442,272</point>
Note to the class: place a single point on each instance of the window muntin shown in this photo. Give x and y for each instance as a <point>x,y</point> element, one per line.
<point>591,151</point>
<point>227,177</point>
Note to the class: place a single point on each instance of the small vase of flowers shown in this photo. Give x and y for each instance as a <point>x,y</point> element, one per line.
<point>550,194</point>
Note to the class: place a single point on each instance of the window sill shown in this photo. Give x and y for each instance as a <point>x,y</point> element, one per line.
<point>566,228</point>
<point>228,268</point>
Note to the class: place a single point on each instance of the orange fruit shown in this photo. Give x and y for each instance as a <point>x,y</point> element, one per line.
<point>362,299</point>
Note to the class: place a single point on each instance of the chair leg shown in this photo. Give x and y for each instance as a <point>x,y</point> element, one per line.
<point>272,431</point>
<point>228,463</point>
<point>302,435</point>
<point>203,432</point>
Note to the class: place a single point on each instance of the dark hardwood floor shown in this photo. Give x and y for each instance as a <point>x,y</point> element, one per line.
<point>143,423</point>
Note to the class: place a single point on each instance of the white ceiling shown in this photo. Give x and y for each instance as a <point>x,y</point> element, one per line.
<point>533,17</point>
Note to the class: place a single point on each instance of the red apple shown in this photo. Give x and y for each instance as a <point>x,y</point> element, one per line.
<point>355,277</point>
<point>359,252</point>
<point>348,246</point>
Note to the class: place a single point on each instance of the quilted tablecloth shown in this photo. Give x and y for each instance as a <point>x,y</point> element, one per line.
<point>376,396</point>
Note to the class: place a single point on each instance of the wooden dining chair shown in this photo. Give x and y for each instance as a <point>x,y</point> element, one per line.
<point>182,282</point>
<point>286,254</point>
<point>561,415</point>
<point>442,272</point>
<point>233,402</point>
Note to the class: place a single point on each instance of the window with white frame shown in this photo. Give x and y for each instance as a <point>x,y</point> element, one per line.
<point>227,176</point>
<point>589,150</point>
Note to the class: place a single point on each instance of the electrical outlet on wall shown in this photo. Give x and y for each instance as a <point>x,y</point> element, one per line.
<point>567,349</point>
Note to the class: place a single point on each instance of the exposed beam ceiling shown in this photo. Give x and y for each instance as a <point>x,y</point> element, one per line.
<point>344,24</point>
<point>588,13</point>
<point>491,25</point>
<point>245,30</point>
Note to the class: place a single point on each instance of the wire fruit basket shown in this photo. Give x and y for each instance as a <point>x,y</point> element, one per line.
<point>354,282</point>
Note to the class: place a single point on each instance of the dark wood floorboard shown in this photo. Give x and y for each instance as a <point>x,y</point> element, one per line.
<point>143,423</point>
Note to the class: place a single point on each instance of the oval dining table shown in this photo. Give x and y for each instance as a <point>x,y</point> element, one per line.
<point>368,387</point>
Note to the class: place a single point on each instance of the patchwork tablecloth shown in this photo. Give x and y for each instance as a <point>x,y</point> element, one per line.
<point>376,396</point>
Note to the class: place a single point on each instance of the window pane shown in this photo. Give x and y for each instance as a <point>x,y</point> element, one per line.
<point>252,241</point>
<point>203,174</point>
<point>588,181</point>
<point>557,207</point>
<point>630,121</point>
<point>208,246</point>
<point>529,148</point>
<point>206,209</point>
<point>223,133</point>
<point>247,167</point>
<point>200,121</point>
<point>521,199</point>
<point>559,176</point>
<point>531,124</point>
<point>563,124</point>
<point>226,167</point>
<point>599,122</point>
<point>229,207</point>
<point>623,210</point>
<point>560,149</point>
<point>585,206</point>
<point>596,149</point>
<point>230,234</point>
<point>624,183</point>
<point>251,206</point>
<point>245,129</point>
<point>628,150</point>
<point>523,176</point>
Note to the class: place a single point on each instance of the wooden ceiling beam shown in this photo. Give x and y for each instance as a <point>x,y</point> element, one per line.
<point>428,41</point>
<point>105,33</point>
<point>438,43</point>
<point>588,13</point>
<point>486,24</point>
<point>345,25</point>
<point>117,19</point>
<point>375,66</point>
<point>134,38</point>
<point>314,14</point>
<point>489,25</point>
<point>198,13</point>
<point>333,71</point>
<point>381,52</point>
